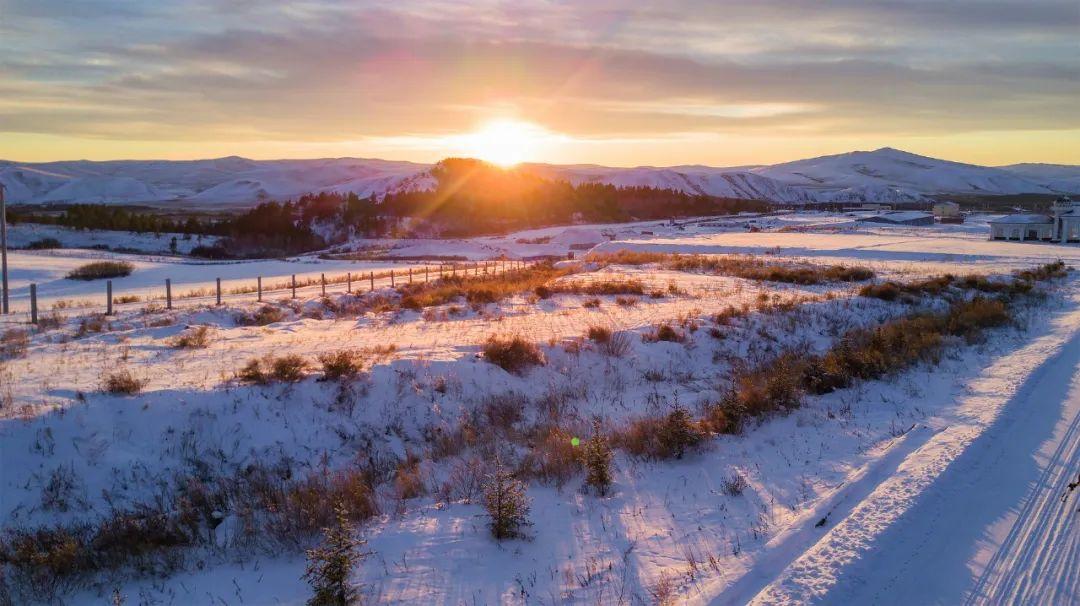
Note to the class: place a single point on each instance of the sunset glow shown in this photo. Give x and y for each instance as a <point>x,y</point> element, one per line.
<point>505,142</point>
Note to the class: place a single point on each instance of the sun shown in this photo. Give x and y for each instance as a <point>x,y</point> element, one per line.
<point>504,142</point>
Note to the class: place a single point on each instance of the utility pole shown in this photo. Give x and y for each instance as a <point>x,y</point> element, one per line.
<point>3,246</point>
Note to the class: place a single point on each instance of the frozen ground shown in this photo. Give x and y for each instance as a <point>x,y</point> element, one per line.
<point>965,460</point>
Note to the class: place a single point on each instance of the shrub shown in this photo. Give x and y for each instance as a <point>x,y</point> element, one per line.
<point>408,483</point>
<point>267,314</point>
<point>93,323</point>
<point>599,334</point>
<point>514,355</point>
<point>591,303</point>
<point>288,368</point>
<point>626,301</point>
<point>606,287</point>
<point>122,382</point>
<point>44,243</point>
<point>341,364</point>
<point>14,343</point>
<point>666,437</point>
<point>760,391</point>
<point>196,337</point>
<point>542,291</point>
<point>506,504</point>
<point>122,299</point>
<point>101,269</point>
<point>331,564</point>
<point>665,332</point>
<point>735,485</point>
<point>598,462</point>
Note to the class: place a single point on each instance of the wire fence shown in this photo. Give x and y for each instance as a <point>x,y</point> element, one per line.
<point>168,296</point>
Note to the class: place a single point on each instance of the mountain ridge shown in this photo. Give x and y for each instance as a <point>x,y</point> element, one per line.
<point>882,175</point>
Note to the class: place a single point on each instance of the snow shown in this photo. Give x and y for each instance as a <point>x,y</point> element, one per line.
<point>949,474</point>
<point>893,168</point>
<point>884,175</point>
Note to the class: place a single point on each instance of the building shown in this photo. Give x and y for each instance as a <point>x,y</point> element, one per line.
<point>902,217</point>
<point>947,212</point>
<point>1061,225</point>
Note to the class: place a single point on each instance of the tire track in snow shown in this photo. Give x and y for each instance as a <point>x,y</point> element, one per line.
<point>891,548</point>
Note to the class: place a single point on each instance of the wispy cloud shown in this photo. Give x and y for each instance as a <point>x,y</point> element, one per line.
<point>236,71</point>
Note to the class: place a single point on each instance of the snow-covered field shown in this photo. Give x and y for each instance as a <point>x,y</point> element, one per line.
<point>940,484</point>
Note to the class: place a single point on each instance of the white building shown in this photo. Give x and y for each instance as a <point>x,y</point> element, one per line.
<point>1062,225</point>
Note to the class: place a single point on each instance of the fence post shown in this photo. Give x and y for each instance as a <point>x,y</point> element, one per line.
<point>108,294</point>
<point>391,278</point>
<point>348,278</point>
<point>323,276</point>
<point>410,275</point>
<point>33,303</point>
<point>168,293</point>
<point>425,273</point>
<point>453,269</point>
<point>294,286</point>
<point>259,287</point>
<point>218,281</point>
<point>371,277</point>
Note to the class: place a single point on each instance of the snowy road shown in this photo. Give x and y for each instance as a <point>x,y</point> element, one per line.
<point>973,516</point>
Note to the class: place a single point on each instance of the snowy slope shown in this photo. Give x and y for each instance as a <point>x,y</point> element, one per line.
<point>727,183</point>
<point>1060,177</point>
<point>898,169</point>
<point>884,175</point>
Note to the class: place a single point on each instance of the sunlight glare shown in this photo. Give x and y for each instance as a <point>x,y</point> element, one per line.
<point>505,142</point>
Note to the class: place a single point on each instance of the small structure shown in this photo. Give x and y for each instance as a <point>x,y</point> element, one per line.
<point>902,217</point>
<point>1062,225</point>
<point>947,212</point>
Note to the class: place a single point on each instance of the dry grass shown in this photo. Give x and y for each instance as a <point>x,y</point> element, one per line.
<point>514,354</point>
<point>122,382</point>
<point>267,314</point>
<point>196,337</point>
<point>101,269</point>
<point>14,343</point>
<point>740,266</point>
<point>342,364</point>
<point>289,368</point>
<point>666,437</point>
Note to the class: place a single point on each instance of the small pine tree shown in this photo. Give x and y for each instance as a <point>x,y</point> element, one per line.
<point>679,433</point>
<point>330,564</point>
<point>598,462</point>
<point>506,503</point>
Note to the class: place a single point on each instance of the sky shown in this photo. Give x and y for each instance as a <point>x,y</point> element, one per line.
<point>710,82</point>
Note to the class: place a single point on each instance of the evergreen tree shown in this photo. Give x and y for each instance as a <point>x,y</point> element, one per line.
<point>331,564</point>
<point>506,503</point>
<point>598,462</point>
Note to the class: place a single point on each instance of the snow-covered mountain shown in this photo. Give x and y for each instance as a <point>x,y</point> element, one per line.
<point>1058,177</point>
<point>895,169</point>
<point>723,182</point>
<point>883,175</point>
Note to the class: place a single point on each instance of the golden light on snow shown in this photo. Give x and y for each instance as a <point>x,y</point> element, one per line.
<point>506,142</point>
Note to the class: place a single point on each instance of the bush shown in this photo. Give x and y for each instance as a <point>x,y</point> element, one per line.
<point>543,291</point>
<point>122,382</point>
<point>101,269</point>
<point>591,303</point>
<point>665,332</point>
<point>506,504</point>
<point>514,355</point>
<point>408,483</point>
<point>267,314</point>
<point>598,462</point>
<point>196,337</point>
<point>599,334</point>
<point>341,364</point>
<point>14,343</point>
<point>626,301</point>
<point>288,368</point>
<point>331,564</point>
<point>44,244</point>
<point>668,437</point>
<point>735,485</point>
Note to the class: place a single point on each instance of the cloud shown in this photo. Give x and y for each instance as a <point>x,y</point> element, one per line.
<point>244,70</point>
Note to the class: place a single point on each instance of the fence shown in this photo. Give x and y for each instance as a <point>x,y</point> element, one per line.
<point>353,282</point>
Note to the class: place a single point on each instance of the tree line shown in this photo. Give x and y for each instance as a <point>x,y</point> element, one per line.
<point>470,198</point>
